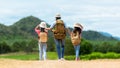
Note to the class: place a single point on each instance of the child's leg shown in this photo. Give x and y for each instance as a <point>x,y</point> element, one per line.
<point>44,50</point>
<point>77,49</point>
<point>40,50</point>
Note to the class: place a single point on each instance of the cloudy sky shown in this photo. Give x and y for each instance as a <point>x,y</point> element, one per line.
<point>99,15</point>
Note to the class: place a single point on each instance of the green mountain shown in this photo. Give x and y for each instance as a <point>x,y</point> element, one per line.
<point>94,35</point>
<point>26,25</point>
<point>4,31</point>
<point>24,29</point>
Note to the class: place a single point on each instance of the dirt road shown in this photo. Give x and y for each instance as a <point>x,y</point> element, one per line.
<point>8,63</point>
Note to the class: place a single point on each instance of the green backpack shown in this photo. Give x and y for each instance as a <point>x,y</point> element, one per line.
<point>59,30</point>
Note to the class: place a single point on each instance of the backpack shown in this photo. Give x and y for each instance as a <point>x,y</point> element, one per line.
<point>43,37</point>
<point>75,38</point>
<point>59,30</point>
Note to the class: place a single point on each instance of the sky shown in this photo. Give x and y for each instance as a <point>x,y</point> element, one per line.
<point>98,15</point>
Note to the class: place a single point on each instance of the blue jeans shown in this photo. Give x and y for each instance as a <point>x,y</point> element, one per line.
<point>77,49</point>
<point>42,50</point>
<point>60,47</point>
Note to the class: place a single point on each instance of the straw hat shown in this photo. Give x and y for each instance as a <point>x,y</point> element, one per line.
<point>58,15</point>
<point>78,25</point>
<point>43,24</point>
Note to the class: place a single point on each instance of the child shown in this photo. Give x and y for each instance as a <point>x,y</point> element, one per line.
<point>76,38</point>
<point>42,39</point>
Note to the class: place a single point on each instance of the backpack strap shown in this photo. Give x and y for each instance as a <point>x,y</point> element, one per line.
<point>77,34</point>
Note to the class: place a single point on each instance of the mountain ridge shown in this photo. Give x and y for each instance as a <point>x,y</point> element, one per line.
<point>24,28</point>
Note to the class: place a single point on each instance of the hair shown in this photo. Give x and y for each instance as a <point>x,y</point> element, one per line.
<point>77,29</point>
<point>58,18</point>
<point>42,29</point>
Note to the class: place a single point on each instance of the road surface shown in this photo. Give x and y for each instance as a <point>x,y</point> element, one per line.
<point>106,63</point>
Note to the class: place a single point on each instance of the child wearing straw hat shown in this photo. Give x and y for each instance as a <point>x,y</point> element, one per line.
<point>76,38</point>
<point>42,39</point>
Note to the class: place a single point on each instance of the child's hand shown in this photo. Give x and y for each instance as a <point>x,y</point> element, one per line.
<point>47,28</point>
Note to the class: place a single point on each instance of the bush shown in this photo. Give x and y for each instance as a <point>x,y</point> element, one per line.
<point>85,47</point>
<point>98,55</point>
<point>4,48</point>
<point>69,49</point>
<point>104,47</point>
<point>18,46</point>
<point>50,45</point>
<point>32,46</point>
<point>116,48</point>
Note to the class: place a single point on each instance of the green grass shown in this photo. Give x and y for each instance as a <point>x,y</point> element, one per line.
<point>31,56</point>
<point>97,55</point>
<point>20,56</point>
<point>53,56</point>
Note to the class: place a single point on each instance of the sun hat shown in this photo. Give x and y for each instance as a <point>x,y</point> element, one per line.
<point>78,25</point>
<point>58,15</point>
<point>43,24</point>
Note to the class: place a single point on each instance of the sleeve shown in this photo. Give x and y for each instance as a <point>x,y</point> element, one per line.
<point>37,31</point>
<point>52,26</point>
<point>65,25</point>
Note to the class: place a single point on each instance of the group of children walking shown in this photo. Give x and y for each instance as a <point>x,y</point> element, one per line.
<point>59,29</point>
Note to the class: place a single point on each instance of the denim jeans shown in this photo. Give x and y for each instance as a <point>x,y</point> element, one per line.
<point>42,50</point>
<point>60,47</point>
<point>77,49</point>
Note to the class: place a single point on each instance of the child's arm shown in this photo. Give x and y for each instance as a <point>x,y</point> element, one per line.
<point>48,28</point>
<point>68,30</point>
<point>37,30</point>
<point>37,27</point>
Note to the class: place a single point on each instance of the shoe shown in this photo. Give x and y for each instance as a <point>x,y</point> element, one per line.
<point>62,59</point>
<point>77,59</point>
<point>59,59</point>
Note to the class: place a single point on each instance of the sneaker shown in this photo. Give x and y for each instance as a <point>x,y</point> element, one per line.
<point>62,59</point>
<point>77,59</point>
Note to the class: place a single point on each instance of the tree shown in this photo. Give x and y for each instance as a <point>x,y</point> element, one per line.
<point>4,48</point>
<point>117,47</point>
<point>50,44</point>
<point>104,47</point>
<point>85,47</point>
<point>18,46</point>
<point>31,46</point>
<point>69,49</point>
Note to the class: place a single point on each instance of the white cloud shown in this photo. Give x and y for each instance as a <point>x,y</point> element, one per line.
<point>100,15</point>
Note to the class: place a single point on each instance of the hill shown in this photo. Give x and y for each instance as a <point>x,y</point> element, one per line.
<point>26,25</point>
<point>24,29</point>
<point>94,35</point>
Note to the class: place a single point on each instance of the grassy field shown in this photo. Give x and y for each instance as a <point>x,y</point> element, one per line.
<point>97,55</point>
<point>53,56</point>
<point>31,56</point>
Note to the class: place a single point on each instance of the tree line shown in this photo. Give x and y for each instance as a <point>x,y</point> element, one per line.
<point>86,46</point>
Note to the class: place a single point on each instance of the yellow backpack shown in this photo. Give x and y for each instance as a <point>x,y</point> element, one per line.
<point>59,30</point>
<point>75,38</point>
<point>43,37</point>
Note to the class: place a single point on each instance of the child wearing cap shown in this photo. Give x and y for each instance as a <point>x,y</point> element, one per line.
<point>76,38</point>
<point>42,39</point>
